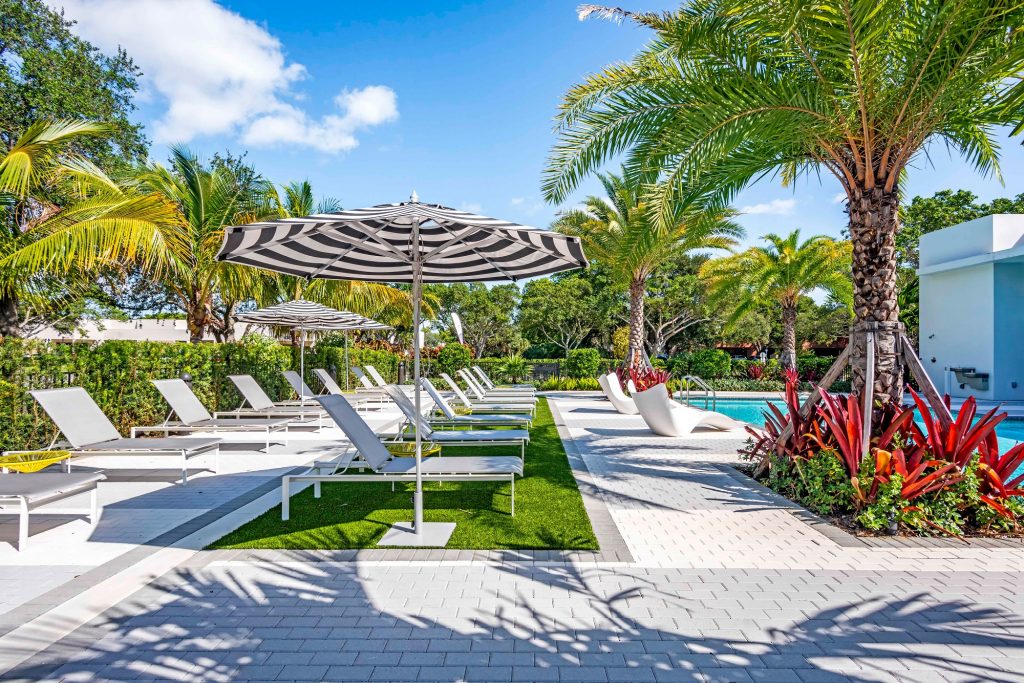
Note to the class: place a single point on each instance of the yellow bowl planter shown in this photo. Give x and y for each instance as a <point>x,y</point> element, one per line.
<point>407,449</point>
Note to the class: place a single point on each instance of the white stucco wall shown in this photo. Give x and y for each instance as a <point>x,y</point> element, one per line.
<point>957,308</point>
<point>972,304</point>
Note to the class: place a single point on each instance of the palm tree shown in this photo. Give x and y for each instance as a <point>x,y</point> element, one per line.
<point>179,251</point>
<point>619,232</point>
<point>782,271</point>
<point>61,216</point>
<point>731,90</point>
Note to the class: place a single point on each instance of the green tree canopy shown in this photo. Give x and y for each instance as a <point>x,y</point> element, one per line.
<point>563,312</point>
<point>47,72</point>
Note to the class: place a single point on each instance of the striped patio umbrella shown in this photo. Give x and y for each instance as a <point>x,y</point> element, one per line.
<point>303,316</point>
<point>411,242</point>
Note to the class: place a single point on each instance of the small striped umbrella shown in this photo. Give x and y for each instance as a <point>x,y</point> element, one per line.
<point>412,242</point>
<point>304,316</point>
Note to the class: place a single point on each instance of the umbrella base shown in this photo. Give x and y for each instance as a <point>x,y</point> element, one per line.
<point>432,535</point>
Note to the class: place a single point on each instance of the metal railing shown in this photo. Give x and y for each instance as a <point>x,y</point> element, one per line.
<point>710,396</point>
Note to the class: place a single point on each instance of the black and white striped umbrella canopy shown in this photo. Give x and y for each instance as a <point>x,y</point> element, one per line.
<point>301,314</point>
<point>377,244</point>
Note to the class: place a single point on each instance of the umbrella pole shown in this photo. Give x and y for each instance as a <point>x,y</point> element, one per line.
<point>302,362</point>
<point>417,285</point>
<point>346,360</point>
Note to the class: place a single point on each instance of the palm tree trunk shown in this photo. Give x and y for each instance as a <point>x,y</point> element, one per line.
<point>636,324</point>
<point>197,317</point>
<point>10,323</point>
<point>873,224</point>
<point>789,335</point>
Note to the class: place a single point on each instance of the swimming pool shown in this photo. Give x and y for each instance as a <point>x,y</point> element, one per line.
<point>1010,431</point>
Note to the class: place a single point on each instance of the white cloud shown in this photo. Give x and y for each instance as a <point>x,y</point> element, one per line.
<point>526,206</point>
<point>777,207</point>
<point>839,198</point>
<point>221,74</point>
<point>471,207</point>
<point>517,201</point>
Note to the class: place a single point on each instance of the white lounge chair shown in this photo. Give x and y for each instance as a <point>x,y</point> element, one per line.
<point>670,418</point>
<point>481,394</point>
<point>29,491</point>
<point>602,380</point>
<point>256,403</point>
<point>622,403</point>
<point>479,385</point>
<point>486,406</point>
<point>489,383</point>
<point>89,432</point>
<point>299,386</point>
<point>330,386</point>
<point>192,415</point>
<point>371,454</point>
<point>458,437</point>
<point>475,420</point>
<point>377,377</point>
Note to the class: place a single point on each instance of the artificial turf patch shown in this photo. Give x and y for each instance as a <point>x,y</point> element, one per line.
<point>549,508</point>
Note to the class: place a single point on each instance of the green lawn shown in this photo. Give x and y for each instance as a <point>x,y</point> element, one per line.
<point>549,509</point>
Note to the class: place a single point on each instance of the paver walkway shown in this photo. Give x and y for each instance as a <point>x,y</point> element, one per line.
<point>726,584</point>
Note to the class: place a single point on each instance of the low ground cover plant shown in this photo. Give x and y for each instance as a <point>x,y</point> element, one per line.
<point>920,474</point>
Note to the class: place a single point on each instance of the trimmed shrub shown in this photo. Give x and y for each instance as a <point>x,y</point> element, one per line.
<point>453,357</point>
<point>704,363</point>
<point>580,363</point>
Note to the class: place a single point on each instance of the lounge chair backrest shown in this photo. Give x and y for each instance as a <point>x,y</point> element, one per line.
<point>602,380</point>
<point>438,398</point>
<point>360,435</point>
<point>483,376</point>
<point>372,372</point>
<point>182,400</point>
<point>296,383</point>
<point>471,383</point>
<point>363,379</point>
<point>329,384</point>
<point>457,389</point>
<point>251,392</point>
<point>76,415</point>
<point>408,409</point>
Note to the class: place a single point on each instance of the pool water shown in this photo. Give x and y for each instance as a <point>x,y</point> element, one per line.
<point>1010,431</point>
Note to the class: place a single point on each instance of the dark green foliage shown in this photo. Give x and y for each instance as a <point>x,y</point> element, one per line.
<point>819,482</point>
<point>48,72</point>
<point>549,509</point>
<point>453,357</point>
<point>117,373</point>
<point>704,363</point>
<point>580,363</point>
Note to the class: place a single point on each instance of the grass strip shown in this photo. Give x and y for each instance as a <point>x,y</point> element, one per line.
<point>549,509</point>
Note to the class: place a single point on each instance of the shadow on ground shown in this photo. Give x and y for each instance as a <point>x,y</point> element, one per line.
<point>316,621</point>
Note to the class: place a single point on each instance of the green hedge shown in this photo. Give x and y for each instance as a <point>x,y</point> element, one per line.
<point>704,363</point>
<point>117,373</point>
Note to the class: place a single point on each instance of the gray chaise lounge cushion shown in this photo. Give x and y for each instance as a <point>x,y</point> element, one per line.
<point>191,411</point>
<point>86,428</point>
<point>42,486</point>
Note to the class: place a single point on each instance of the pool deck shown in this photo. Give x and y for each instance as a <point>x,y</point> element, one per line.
<point>719,580</point>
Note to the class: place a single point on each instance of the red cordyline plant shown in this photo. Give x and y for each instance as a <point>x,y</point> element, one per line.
<point>957,441</point>
<point>801,442</point>
<point>648,378</point>
<point>845,423</point>
<point>755,371</point>
<point>791,376</point>
<point>996,479</point>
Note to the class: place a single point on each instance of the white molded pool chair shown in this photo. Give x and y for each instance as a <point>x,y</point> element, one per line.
<point>622,403</point>
<point>669,418</point>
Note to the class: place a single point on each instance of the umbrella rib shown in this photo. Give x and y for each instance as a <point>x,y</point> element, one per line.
<point>453,241</point>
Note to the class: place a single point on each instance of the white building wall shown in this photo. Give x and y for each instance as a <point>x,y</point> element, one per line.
<point>957,312</point>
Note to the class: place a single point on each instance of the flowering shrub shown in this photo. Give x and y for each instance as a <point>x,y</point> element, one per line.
<point>940,478</point>
<point>651,377</point>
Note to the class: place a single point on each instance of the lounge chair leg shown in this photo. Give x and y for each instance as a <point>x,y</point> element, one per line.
<point>184,469</point>
<point>94,506</point>
<point>267,448</point>
<point>23,525</point>
<point>513,480</point>
<point>285,498</point>
<point>316,489</point>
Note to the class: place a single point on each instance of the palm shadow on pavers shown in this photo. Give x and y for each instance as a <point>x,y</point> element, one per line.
<point>339,620</point>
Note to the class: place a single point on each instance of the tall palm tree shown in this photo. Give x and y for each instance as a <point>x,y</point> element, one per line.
<point>730,90</point>
<point>180,251</point>
<point>61,216</point>
<point>782,271</point>
<point>619,232</point>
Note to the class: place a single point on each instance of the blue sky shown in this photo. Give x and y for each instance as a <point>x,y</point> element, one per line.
<point>370,101</point>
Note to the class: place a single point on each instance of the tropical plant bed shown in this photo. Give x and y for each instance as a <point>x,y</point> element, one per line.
<point>921,476</point>
<point>549,509</point>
